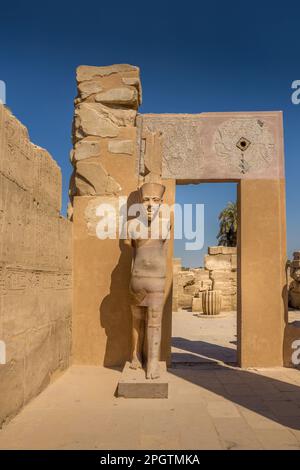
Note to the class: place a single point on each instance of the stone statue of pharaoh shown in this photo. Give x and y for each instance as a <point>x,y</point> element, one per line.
<point>148,276</point>
<point>294,289</point>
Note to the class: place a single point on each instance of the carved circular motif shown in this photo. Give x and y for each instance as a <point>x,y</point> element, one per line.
<point>244,144</point>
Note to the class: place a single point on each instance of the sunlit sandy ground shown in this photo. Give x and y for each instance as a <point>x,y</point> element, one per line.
<point>196,338</point>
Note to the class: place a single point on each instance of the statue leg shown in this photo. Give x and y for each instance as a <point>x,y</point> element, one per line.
<point>153,340</point>
<point>138,333</point>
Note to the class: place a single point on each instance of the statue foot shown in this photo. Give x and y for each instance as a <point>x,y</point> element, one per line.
<point>153,371</point>
<point>136,363</point>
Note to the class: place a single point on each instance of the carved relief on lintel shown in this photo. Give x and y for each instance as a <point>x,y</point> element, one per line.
<point>151,156</point>
<point>244,144</point>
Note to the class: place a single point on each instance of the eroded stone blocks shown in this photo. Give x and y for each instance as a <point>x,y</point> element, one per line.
<point>219,274</point>
<point>35,268</point>
<point>104,118</point>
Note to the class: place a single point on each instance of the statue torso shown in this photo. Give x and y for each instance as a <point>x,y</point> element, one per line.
<point>149,259</point>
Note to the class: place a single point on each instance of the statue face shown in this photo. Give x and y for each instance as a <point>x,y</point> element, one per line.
<point>151,204</point>
<point>296,274</point>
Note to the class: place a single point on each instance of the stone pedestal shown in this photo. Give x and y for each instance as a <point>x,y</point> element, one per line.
<point>197,304</point>
<point>133,384</point>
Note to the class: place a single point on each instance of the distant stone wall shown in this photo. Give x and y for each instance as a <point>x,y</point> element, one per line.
<point>35,268</point>
<point>219,273</point>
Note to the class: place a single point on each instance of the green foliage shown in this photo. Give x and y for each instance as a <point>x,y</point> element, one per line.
<point>227,235</point>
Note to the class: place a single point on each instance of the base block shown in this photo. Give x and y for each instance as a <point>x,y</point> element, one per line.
<point>133,383</point>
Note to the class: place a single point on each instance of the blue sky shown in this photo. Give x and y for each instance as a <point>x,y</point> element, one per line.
<point>195,56</point>
<point>214,196</point>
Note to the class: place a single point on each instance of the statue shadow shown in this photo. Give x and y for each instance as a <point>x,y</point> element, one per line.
<point>115,316</point>
<point>271,393</point>
<point>201,351</point>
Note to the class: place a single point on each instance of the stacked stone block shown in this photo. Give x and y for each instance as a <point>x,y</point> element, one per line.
<point>219,273</point>
<point>105,162</point>
<point>104,127</point>
<point>221,262</point>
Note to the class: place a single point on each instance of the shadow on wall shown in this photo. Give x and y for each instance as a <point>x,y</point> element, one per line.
<point>115,316</point>
<point>114,310</point>
<point>115,313</point>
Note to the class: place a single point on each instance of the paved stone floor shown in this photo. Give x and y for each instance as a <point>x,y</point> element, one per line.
<point>209,407</point>
<point>196,338</point>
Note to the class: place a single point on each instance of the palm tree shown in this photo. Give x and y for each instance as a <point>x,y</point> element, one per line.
<point>227,235</point>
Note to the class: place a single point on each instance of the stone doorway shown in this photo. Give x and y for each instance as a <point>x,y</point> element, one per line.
<point>242,147</point>
<point>202,271</point>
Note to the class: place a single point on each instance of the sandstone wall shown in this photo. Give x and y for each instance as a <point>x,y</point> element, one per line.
<point>35,268</point>
<point>106,159</point>
<point>219,273</point>
<point>104,132</point>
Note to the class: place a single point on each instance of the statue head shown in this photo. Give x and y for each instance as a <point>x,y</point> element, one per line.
<point>295,274</point>
<point>151,197</point>
<point>295,266</point>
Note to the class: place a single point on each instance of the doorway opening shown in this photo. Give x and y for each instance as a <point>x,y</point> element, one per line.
<point>205,275</point>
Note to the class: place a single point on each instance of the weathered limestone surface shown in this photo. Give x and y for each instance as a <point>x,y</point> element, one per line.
<point>121,146</point>
<point>35,268</point>
<point>92,179</point>
<point>222,250</point>
<point>104,160</point>
<point>151,166</point>
<point>218,145</point>
<point>104,126</point>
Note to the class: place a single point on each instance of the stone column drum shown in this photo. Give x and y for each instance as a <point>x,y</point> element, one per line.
<point>211,302</point>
